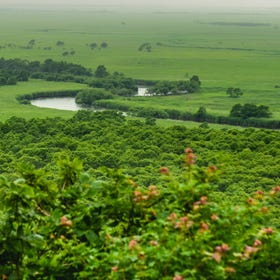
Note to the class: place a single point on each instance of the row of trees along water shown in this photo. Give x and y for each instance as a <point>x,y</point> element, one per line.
<point>13,70</point>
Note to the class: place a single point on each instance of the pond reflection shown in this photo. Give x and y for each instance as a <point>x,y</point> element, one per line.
<point>61,103</point>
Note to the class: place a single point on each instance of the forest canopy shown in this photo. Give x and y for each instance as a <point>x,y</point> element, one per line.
<point>69,211</point>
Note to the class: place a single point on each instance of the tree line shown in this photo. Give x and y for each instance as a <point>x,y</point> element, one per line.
<point>14,70</point>
<point>21,70</point>
<point>254,118</point>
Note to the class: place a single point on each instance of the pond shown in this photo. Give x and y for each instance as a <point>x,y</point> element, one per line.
<point>142,91</point>
<point>62,103</point>
<point>68,103</point>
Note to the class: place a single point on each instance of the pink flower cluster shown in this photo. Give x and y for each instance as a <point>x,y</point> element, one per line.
<point>275,190</point>
<point>267,231</point>
<point>146,195</point>
<point>190,156</point>
<point>220,251</point>
<point>178,277</point>
<point>182,222</point>
<point>164,170</point>
<point>211,169</point>
<point>132,244</point>
<point>202,201</point>
<point>64,221</point>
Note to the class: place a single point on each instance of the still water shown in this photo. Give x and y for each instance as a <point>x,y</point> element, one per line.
<point>68,103</point>
<point>61,103</point>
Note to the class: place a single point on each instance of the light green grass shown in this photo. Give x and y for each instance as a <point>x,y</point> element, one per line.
<point>216,102</point>
<point>187,124</point>
<point>190,45</point>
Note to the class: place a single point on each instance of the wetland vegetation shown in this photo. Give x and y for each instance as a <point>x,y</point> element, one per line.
<point>98,195</point>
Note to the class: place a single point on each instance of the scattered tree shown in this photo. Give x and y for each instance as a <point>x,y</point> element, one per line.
<point>145,47</point>
<point>104,45</point>
<point>31,43</point>
<point>234,92</point>
<point>93,46</point>
<point>195,83</point>
<point>201,114</point>
<point>59,43</point>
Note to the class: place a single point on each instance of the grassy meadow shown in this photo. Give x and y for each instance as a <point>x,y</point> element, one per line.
<point>224,49</point>
<point>216,103</point>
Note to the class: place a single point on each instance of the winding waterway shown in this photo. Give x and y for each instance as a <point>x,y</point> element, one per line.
<point>68,103</point>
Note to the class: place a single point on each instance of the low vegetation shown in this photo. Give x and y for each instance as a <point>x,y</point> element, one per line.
<point>234,92</point>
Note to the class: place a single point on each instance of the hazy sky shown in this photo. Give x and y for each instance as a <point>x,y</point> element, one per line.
<point>154,3</point>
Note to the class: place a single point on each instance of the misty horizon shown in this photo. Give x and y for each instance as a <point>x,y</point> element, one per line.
<point>159,4</point>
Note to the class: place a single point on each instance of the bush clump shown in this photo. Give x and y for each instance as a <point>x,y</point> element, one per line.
<point>74,227</point>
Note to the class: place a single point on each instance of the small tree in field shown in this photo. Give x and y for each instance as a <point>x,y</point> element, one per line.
<point>195,83</point>
<point>234,92</point>
<point>201,114</point>
<point>104,45</point>
<point>59,43</point>
<point>93,46</point>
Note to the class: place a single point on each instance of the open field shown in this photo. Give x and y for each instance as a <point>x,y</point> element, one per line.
<point>221,54</point>
<point>224,49</point>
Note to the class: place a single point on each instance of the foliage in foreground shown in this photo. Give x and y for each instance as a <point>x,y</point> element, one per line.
<point>74,227</point>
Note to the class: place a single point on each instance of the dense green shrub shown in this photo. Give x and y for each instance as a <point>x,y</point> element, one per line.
<point>115,82</point>
<point>88,97</point>
<point>176,87</point>
<point>250,110</point>
<point>68,225</point>
<point>22,70</point>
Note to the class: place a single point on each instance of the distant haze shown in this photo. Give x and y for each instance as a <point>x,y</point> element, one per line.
<point>144,3</point>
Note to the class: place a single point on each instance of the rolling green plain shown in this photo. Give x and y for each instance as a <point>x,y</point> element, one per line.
<point>225,49</point>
